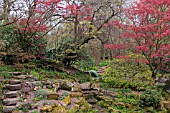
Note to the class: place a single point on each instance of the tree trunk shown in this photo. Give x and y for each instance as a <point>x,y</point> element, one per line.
<point>154,75</point>
<point>102,52</point>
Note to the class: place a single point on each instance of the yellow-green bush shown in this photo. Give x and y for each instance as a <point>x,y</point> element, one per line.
<point>127,74</point>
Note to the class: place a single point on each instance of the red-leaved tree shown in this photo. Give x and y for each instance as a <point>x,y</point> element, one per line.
<point>148,29</point>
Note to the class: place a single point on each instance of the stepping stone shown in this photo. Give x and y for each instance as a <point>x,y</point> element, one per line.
<point>20,77</point>
<point>14,81</point>
<point>15,73</point>
<point>10,101</point>
<point>13,87</point>
<point>8,109</point>
<point>11,94</point>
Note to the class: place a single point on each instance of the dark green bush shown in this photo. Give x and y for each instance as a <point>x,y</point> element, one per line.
<point>150,99</point>
<point>18,47</point>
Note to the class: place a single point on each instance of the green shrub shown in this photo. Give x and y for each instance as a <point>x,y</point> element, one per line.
<point>40,94</point>
<point>127,74</point>
<point>19,47</point>
<point>150,99</point>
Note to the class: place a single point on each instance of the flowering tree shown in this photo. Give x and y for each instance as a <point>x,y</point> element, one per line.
<point>148,30</point>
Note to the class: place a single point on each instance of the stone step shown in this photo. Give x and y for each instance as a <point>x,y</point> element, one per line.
<point>14,81</point>
<point>13,87</point>
<point>15,73</point>
<point>10,101</point>
<point>21,77</point>
<point>8,109</point>
<point>11,94</point>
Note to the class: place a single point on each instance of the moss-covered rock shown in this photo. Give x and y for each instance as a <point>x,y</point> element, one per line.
<point>67,100</point>
<point>53,96</point>
<point>46,108</point>
<point>59,109</point>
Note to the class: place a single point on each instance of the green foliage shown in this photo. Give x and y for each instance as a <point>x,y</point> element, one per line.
<point>84,60</point>
<point>65,52</point>
<point>24,107</point>
<point>4,71</point>
<point>69,54</point>
<point>104,63</point>
<point>18,47</point>
<point>40,77</point>
<point>40,94</point>
<point>127,74</point>
<point>8,35</point>
<point>35,111</point>
<point>150,99</point>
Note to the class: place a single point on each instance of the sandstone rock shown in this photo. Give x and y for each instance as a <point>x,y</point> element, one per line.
<point>92,101</point>
<point>10,101</point>
<point>76,94</point>
<point>62,92</point>
<point>49,102</point>
<point>67,85</point>
<point>17,111</point>
<point>113,94</point>
<point>105,98</point>
<point>14,81</point>
<point>87,92</point>
<point>120,104</point>
<point>56,86</point>
<point>86,107</point>
<point>11,94</point>
<point>15,73</point>
<point>76,87</point>
<point>95,86</point>
<point>53,96</point>
<point>67,100</point>
<point>32,77</point>
<point>71,94</point>
<point>46,108</point>
<point>27,87</point>
<point>60,81</point>
<point>20,77</point>
<point>166,104</point>
<point>48,82</point>
<point>30,96</point>
<point>59,109</point>
<point>77,100</point>
<point>8,109</point>
<point>13,87</point>
<point>85,86</point>
<point>72,108</point>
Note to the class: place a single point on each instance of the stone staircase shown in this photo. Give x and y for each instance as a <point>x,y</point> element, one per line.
<point>11,93</point>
